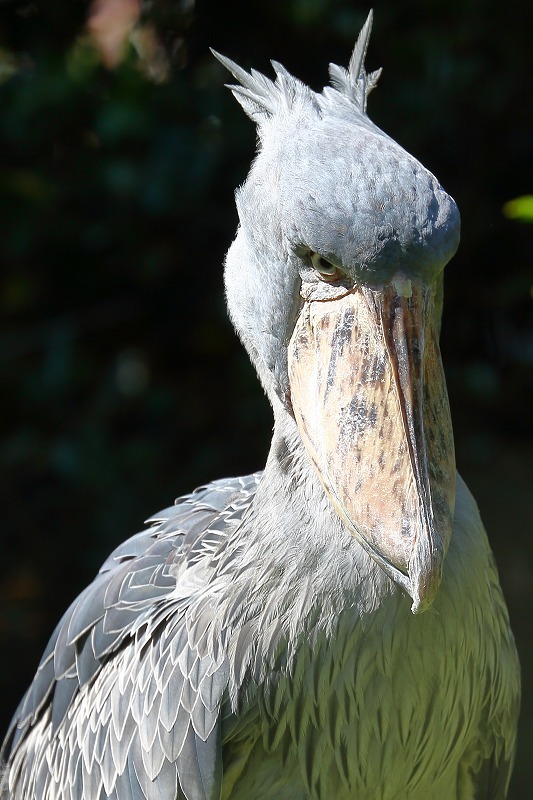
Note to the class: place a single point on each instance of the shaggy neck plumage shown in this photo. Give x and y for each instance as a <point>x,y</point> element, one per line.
<point>294,539</point>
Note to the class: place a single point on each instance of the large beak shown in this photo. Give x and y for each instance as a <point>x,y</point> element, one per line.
<point>369,396</point>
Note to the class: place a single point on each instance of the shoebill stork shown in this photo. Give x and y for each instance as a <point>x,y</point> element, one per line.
<point>332,627</point>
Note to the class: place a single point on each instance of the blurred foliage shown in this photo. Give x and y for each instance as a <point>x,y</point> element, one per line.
<point>520,208</point>
<point>122,384</point>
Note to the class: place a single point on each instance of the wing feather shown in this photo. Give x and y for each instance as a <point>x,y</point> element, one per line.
<point>126,702</point>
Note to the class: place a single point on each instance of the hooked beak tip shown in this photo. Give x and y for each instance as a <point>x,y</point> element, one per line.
<point>422,600</point>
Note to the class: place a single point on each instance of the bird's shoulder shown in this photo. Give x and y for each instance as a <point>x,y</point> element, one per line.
<point>135,626</point>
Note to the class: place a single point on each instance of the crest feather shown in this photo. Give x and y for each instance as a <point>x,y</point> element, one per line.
<point>354,83</point>
<point>280,70</point>
<point>260,96</point>
<point>256,92</point>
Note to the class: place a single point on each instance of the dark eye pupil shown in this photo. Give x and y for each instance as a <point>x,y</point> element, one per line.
<point>323,266</point>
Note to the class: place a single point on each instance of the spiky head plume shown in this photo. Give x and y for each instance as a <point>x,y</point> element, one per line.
<point>262,97</point>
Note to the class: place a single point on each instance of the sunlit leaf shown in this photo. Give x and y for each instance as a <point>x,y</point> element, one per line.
<point>521,208</point>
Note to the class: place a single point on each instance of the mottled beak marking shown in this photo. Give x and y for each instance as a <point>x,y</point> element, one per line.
<point>369,396</point>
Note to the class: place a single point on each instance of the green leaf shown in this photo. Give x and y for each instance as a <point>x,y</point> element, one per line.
<point>520,208</point>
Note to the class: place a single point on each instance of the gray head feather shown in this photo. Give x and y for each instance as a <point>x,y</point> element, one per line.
<point>261,97</point>
<point>354,83</point>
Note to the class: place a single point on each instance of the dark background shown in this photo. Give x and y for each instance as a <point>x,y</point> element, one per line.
<point>122,384</point>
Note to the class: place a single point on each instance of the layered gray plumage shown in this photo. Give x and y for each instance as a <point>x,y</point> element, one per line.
<point>264,638</point>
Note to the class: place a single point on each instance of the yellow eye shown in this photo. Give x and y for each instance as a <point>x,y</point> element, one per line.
<point>326,270</point>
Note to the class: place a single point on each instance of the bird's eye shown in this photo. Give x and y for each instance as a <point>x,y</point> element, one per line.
<point>326,270</point>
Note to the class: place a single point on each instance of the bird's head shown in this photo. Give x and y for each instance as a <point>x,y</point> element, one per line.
<point>334,285</point>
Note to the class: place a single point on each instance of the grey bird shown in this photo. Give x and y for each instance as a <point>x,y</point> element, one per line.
<point>332,627</point>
